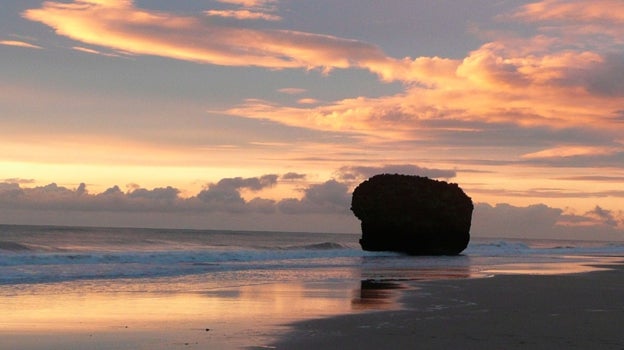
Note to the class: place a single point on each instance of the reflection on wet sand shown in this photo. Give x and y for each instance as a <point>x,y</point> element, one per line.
<point>380,287</point>
<point>376,295</point>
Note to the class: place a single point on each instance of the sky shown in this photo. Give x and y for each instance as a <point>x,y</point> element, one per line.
<point>265,114</point>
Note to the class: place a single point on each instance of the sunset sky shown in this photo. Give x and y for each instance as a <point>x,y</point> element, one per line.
<point>265,114</point>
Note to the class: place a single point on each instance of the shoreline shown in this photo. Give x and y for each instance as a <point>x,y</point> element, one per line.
<point>507,311</point>
<point>376,305</point>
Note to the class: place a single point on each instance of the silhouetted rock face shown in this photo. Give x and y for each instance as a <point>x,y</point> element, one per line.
<point>413,215</point>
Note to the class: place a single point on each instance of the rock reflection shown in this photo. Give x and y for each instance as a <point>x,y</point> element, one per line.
<point>376,295</point>
<point>421,268</point>
<point>384,277</point>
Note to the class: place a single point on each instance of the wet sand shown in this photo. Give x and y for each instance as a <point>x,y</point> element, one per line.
<point>569,311</point>
<point>582,311</point>
<point>88,315</point>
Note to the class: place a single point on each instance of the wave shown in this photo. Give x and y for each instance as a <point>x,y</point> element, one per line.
<point>498,248</point>
<point>321,246</point>
<point>26,265</point>
<point>13,246</point>
<point>515,248</point>
<point>167,257</point>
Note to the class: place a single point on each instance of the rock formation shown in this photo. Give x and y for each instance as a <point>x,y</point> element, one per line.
<point>413,215</point>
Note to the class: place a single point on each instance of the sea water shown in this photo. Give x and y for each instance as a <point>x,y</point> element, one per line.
<point>35,255</point>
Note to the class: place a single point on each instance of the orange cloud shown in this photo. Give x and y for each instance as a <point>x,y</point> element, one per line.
<point>493,84</point>
<point>307,101</point>
<point>94,52</point>
<point>121,26</point>
<point>530,82</point>
<point>243,14</point>
<point>249,3</point>
<point>19,44</point>
<point>573,11</point>
<point>599,19</point>
<point>572,151</point>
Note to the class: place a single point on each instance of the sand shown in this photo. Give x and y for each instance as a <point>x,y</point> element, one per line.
<point>571,311</point>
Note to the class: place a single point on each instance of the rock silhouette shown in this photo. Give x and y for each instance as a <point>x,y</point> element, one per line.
<point>412,214</point>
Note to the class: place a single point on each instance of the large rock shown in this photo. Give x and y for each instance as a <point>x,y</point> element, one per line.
<point>413,215</point>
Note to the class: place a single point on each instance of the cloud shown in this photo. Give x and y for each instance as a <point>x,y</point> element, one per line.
<point>504,220</point>
<point>327,202</point>
<point>19,181</point>
<point>364,172</point>
<point>10,190</point>
<point>329,197</point>
<point>611,11</point>
<point>121,26</point>
<point>605,77</point>
<point>166,194</point>
<point>293,176</point>
<point>307,101</point>
<point>606,217</point>
<point>578,157</point>
<point>252,183</point>
<point>94,52</point>
<point>542,221</point>
<point>548,193</point>
<point>243,15</point>
<point>577,22</point>
<point>225,194</point>
<point>19,44</point>
<point>598,178</point>
<point>572,151</point>
<point>248,10</point>
<point>493,85</point>
<point>533,82</point>
<point>250,3</point>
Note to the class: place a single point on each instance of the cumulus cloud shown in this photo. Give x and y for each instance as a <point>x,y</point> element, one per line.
<point>329,197</point>
<point>504,220</point>
<point>542,221</point>
<point>252,183</point>
<point>604,216</point>
<point>225,194</point>
<point>325,202</point>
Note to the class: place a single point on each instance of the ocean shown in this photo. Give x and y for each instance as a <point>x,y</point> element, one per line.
<point>35,255</point>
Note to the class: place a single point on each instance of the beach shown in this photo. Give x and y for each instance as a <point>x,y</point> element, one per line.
<point>104,288</point>
<point>516,311</point>
<point>521,311</point>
